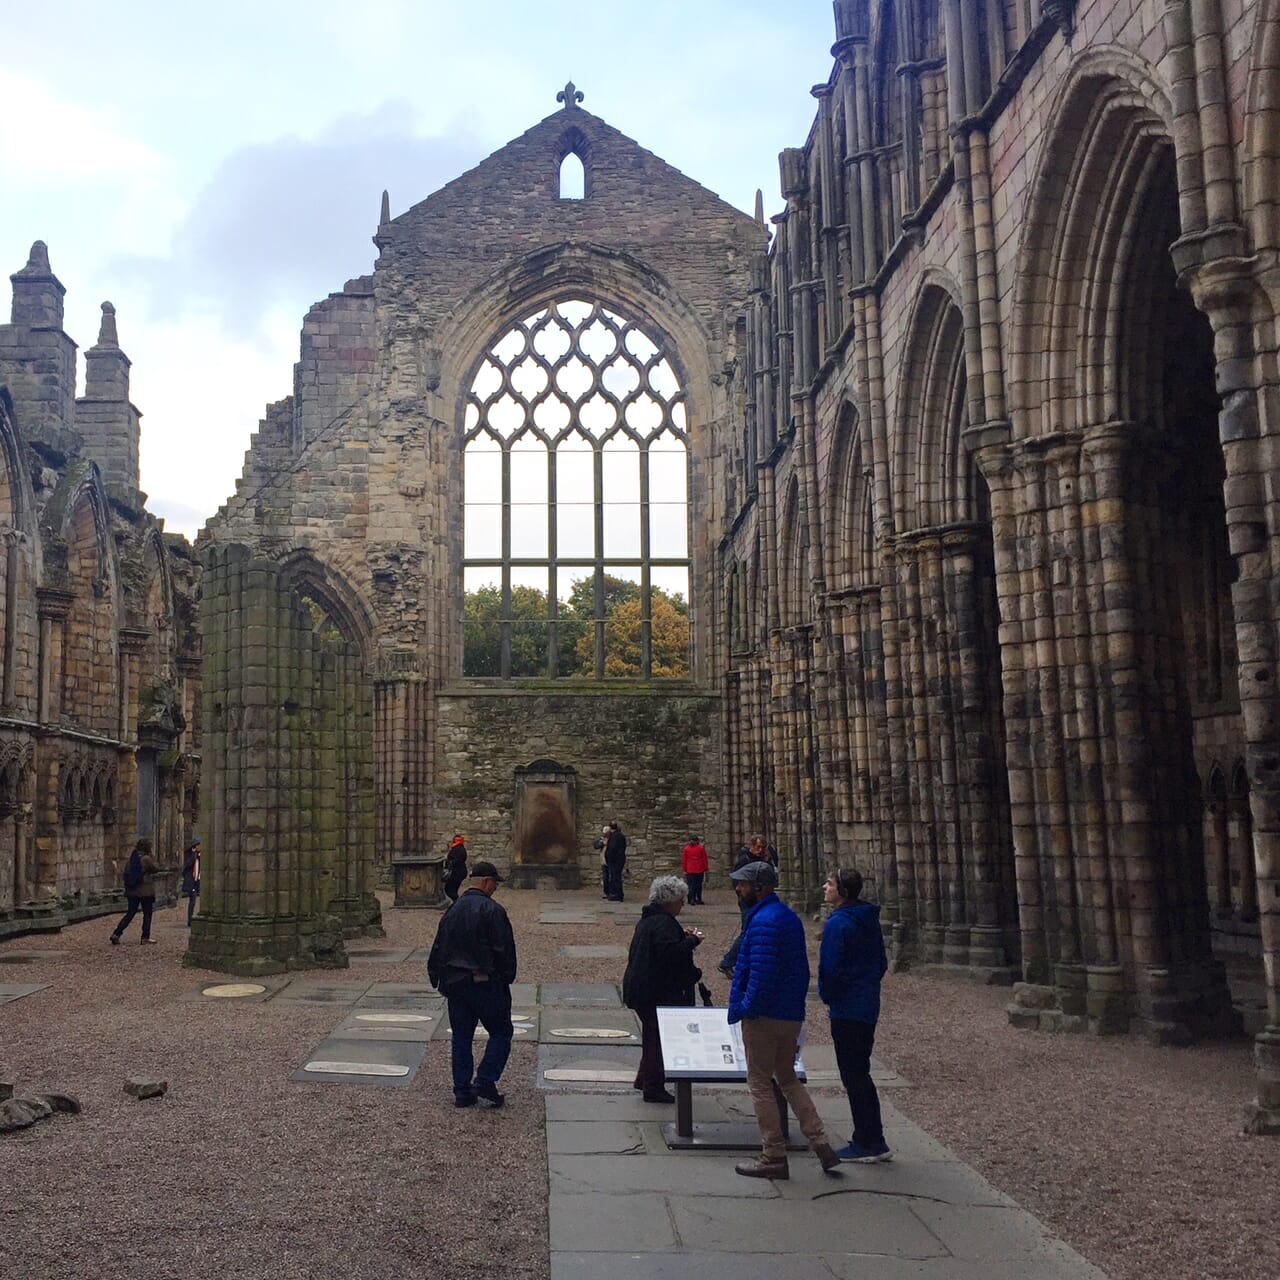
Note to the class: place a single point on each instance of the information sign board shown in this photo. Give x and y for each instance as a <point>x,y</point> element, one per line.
<point>700,1044</point>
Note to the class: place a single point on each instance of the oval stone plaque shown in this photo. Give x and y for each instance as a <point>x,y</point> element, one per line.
<point>398,1018</point>
<point>357,1068</point>
<point>230,990</point>
<point>591,1033</point>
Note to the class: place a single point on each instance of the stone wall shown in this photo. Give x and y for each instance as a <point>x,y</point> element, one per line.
<point>648,758</point>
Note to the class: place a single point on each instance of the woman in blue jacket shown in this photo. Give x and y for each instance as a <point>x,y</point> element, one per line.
<point>850,966</point>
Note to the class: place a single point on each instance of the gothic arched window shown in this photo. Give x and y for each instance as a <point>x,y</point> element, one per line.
<point>576,476</point>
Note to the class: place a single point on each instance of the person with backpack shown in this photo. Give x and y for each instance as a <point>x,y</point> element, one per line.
<point>139,891</point>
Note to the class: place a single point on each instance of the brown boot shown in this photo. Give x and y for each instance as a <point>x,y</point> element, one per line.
<point>825,1153</point>
<point>774,1167</point>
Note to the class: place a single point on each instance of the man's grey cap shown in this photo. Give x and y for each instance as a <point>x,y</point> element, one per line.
<point>756,873</point>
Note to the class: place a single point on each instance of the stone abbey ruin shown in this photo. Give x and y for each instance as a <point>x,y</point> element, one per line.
<point>931,526</point>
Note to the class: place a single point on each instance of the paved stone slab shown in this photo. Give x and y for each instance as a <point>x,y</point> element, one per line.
<point>10,991</point>
<point>593,951</point>
<point>882,1225</point>
<point>617,1137</point>
<point>29,957</point>
<point>604,994</point>
<point>368,1025</point>
<point>603,1066</point>
<point>394,990</point>
<point>578,1108</point>
<point>379,955</point>
<point>524,995</point>
<point>379,1054</point>
<point>321,993</point>
<point>567,917</point>
<point>589,1222</point>
<point>621,1026</point>
<point>980,1233</point>
<point>676,1175</point>
<point>690,1266</point>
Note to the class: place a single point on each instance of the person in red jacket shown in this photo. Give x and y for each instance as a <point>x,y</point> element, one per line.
<point>693,860</point>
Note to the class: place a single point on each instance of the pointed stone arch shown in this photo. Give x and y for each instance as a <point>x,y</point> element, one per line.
<point>932,464</point>
<point>1113,134</point>
<point>851,506</point>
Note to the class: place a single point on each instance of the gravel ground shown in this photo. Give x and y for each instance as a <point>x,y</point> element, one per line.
<point>1130,1153</point>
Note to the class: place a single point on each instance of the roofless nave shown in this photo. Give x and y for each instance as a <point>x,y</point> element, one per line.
<point>930,528</point>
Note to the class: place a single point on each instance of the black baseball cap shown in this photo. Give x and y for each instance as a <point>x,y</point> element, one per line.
<point>485,871</point>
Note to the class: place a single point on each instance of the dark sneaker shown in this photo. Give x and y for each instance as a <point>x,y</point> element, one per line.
<point>830,1160</point>
<point>764,1167</point>
<point>148,942</point>
<point>659,1095</point>
<point>488,1093</point>
<point>115,939</point>
<point>464,1099</point>
<point>857,1153</point>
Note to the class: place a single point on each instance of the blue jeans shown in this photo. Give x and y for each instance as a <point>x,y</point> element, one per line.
<point>489,1005</point>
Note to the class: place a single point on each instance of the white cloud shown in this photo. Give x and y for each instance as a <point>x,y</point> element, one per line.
<point>72,144</point>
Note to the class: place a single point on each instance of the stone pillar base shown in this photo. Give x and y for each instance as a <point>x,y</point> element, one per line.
<point>1262,1116</point>
<point>529,875</point>
<point>361,915</point>
<point>254,945</point>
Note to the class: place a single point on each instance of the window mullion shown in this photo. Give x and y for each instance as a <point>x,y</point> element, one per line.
<point>504,661</point>
<point>599,560</point>
<point>646,610</point>
<point>553,591</point>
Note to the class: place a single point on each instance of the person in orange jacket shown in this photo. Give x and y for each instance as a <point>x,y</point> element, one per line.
<point>693,859</point>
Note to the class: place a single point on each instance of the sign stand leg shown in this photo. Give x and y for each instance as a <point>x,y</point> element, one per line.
<point>781,1100</point>
<point>684,1108</point>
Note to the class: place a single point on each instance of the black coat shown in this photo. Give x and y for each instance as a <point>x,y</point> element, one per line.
<point>474,938</point>
<point>615,849</point>
<point>660,968</point>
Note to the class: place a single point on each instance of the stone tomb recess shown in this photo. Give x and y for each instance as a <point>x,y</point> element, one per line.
<point>545,837</point>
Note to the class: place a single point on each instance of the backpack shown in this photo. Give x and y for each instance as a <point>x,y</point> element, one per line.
<point>132,874</point>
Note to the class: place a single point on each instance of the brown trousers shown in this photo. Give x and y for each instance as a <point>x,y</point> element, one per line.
<point>771,1055</point>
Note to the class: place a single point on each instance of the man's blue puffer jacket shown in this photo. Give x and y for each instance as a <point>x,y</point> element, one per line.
<point>772,974</point>
<point>852,962</point>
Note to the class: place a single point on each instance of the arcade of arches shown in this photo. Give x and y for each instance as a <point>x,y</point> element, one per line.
<point>946,547</point>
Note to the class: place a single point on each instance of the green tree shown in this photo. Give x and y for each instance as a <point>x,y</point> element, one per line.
<point>482,631</point>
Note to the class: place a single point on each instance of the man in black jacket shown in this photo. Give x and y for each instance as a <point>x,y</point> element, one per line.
<point>473,963</point>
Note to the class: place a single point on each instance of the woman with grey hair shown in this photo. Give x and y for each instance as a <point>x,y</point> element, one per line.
<point>660,972</point>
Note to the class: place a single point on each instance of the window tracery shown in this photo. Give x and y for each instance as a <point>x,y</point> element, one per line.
<point>575,476</point>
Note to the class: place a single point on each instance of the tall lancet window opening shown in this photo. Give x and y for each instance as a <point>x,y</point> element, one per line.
<point>576,502</point>
<point>573,177</point>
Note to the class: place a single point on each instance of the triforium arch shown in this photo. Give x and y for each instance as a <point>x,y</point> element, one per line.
<point>955,890</point>
<point>1118,473</point>
<point>286,680</point>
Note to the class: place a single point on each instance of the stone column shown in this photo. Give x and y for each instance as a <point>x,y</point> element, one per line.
<point>263,722</point>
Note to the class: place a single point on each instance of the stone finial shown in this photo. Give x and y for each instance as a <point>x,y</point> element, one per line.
<point>570,95</point>
<point>760,206</point>
<point>37,261</point>
<point>385,216</point>
<point>107,336</point>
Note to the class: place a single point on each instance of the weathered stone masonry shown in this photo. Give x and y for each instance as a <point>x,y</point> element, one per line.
<point>983,527</point>
<point>101,660</point>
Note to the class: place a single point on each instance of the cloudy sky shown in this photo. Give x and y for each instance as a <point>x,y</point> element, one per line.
<point>213,170</point>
